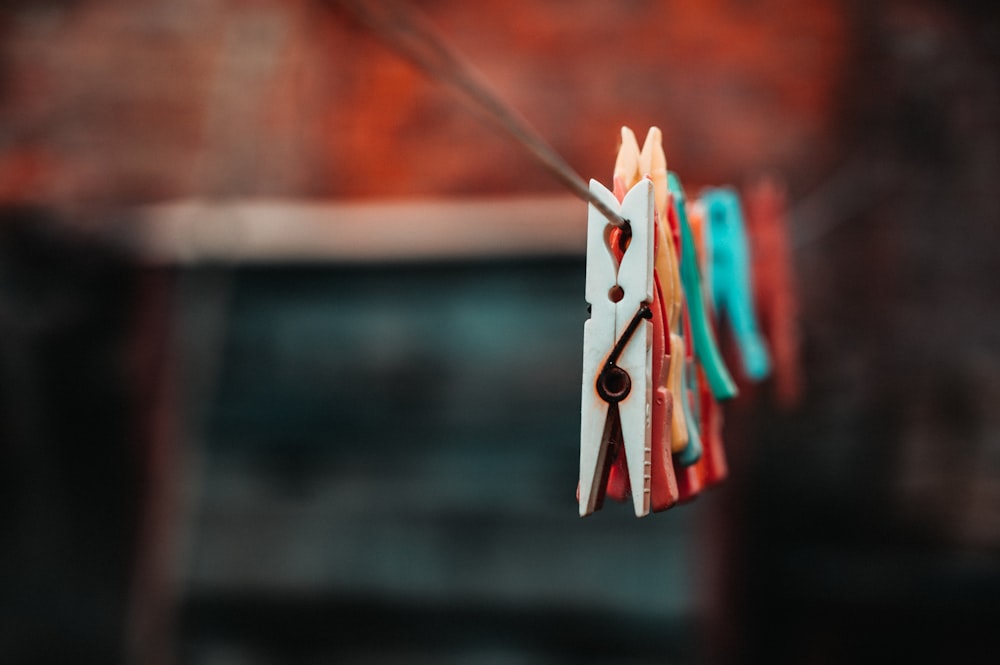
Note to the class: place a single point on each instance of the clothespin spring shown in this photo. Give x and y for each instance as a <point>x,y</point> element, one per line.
<point>613,383</point>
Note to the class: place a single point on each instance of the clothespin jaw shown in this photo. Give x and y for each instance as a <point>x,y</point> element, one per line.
<point>732,289</point>
<point>617,349</point>
<point>628,159</point>
<point>705,347</point>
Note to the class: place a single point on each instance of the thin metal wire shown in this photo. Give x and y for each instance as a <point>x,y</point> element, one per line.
<point>415,38</point>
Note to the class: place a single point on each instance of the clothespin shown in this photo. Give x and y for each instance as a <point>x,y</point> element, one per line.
<point>675,383</point>
<point>712,466</point>
<point>706,349</point>
<point>652,162</point>
<point>732,278</point>
<point>692,412</point>
<point>663,483</point>
<point>630,165</point>
<point>617,349</point>
<point>774,283</point>
<point>702,234</point>
<point>688,461</point>
<point>627,172</point>
<point>664,492</point>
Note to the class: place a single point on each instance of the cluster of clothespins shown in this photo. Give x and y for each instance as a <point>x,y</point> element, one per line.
<point>661,274</point>
<point>653,375</point>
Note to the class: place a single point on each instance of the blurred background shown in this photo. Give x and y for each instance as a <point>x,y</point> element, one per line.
<point>290,341</point>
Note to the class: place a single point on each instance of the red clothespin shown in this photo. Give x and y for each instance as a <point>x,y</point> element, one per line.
<point>690,473</point>
<point>713,463</point>
<point>774,283</point>
<point>711,467</point>
<point>665,490</point>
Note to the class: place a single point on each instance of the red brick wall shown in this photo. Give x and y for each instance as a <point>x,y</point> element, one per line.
<point>112,102</point>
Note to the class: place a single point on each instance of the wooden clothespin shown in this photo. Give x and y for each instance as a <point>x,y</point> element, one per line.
<point>617,350</point>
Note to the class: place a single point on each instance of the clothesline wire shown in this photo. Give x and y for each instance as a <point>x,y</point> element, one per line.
<point>413,37</point>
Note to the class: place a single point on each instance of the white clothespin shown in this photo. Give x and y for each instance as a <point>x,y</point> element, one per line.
<point>617,347</point>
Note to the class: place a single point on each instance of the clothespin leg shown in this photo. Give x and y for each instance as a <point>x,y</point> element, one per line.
<point>598,338</point>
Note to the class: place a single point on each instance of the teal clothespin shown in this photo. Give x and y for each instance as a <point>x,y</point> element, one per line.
<point>706,350</point>
<point>732,292</point>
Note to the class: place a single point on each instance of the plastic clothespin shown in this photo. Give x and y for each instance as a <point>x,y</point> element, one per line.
<point>617,349</point>
<point>688,462</point>
<point>691,460</point>
<point>632,164</point>
<point>652,162</point>
<point>701,231</point>
<point>712,465</point>
<point>732,278</point>
<point>627,172</point>
<point>675,382</point>
<point>706,349</point>
<point>692,412</point>
<point>713,460</point>
<point>664,492</point>
<point>695,463</point>
<point>774,283</point>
